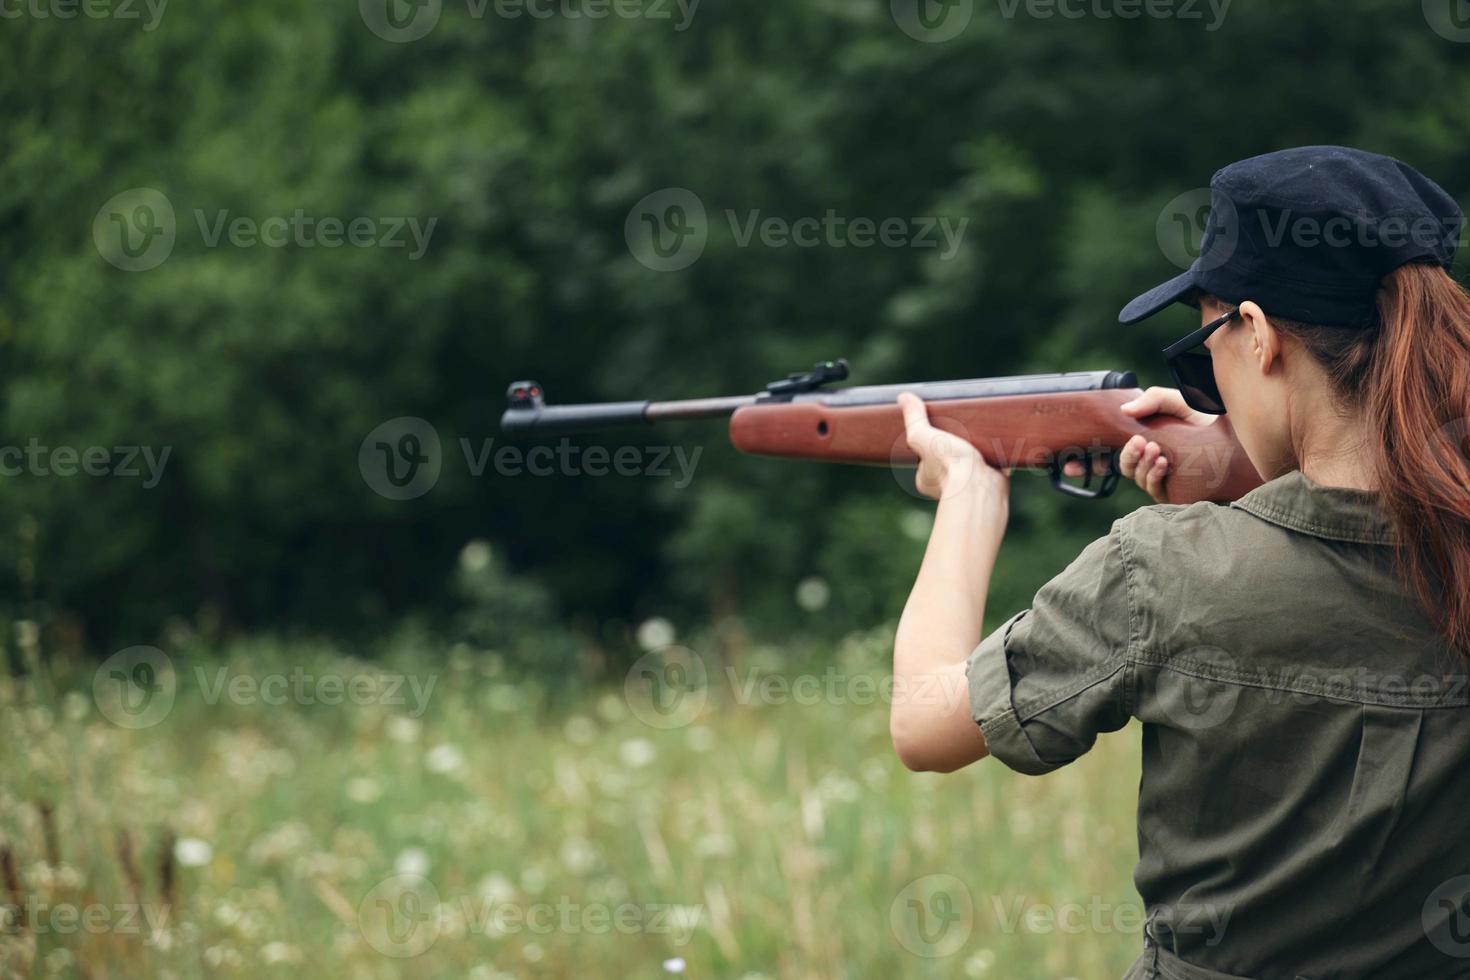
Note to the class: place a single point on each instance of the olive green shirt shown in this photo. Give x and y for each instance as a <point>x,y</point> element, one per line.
<point>1304,810</point>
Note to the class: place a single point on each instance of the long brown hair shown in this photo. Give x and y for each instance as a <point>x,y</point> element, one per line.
<point>1410,377</point>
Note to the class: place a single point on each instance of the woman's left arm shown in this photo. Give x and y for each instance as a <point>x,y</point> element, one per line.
<point>930,719</point>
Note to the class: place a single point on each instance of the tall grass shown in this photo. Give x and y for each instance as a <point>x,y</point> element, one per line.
<point>494,836</point>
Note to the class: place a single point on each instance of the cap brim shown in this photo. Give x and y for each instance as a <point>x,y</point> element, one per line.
<point>1156,299</point>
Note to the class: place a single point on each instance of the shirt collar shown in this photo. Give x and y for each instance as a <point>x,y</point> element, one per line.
<point>1335,513</point>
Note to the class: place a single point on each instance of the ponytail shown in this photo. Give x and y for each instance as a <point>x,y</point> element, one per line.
<point>1417,403</point>
<point>1410,377</point>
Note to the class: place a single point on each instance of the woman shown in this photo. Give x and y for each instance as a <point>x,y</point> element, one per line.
<point>1298,658</point>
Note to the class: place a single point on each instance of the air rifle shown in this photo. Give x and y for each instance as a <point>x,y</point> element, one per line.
<point>1041,421</point>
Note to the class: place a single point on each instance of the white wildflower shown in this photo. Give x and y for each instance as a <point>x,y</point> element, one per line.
<point>445,760</point>
<point>578,855</point>
<point>191,852</point>
<point>475,556</point>
<point>813,594</point>
<point>279,952</point>
<point>637,753</point>
<point>402,728</point>
<point>656,633</point>
<point>580,730</point>
<point>412,861</point>
<point>361,789</point>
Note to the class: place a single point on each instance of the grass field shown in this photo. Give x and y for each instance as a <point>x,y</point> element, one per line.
<point>462,825</point>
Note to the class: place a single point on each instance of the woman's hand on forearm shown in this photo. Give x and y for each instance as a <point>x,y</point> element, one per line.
<point>942,621</point>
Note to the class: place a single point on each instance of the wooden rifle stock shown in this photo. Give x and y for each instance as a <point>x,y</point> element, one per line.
<point>1041,431</point>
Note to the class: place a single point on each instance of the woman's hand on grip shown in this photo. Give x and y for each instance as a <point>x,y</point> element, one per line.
<point>948,465</point>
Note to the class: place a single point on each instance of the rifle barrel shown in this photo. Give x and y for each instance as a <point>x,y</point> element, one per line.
<point>697,408</point>
<point>528,411</point>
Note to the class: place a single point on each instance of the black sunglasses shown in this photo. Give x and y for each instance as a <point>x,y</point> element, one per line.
<point>1194,369</point>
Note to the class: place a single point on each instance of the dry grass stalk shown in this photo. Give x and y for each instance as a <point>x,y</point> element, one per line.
<point>14,895</point>
<point>167,878</point>
<point>127,857</point>
<point>49,834</point>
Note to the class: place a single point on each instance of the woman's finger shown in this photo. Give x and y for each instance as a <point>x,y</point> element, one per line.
<point>1158,401</point>
<point>1129,457</point>
<point>1157,473</point>
<point>1151,452</point>
<point>916,425</point>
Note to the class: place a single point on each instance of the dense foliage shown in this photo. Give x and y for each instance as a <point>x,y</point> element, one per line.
<point>1058,142</point>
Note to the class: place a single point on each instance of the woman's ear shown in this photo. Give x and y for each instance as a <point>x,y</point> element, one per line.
<point>1264,339</point>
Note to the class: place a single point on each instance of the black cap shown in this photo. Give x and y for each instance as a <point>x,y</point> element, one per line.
<point>1310,233</point>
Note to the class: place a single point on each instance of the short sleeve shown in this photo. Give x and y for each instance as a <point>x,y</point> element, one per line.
<point>1048,682</point>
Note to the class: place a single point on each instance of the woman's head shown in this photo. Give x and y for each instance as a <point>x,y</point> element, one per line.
<point>1350,343</point>
<point>1397,396</point>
